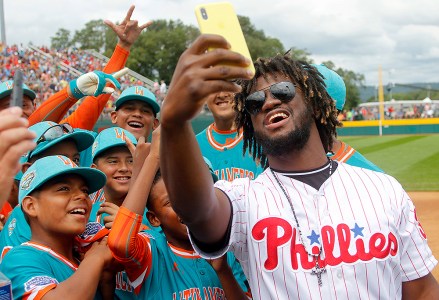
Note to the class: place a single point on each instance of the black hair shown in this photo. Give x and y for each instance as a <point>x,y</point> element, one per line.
<point>310,82</point>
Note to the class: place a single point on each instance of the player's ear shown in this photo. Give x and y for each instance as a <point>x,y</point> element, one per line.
<point>25,166</point>
<point>155,124</point>
<point>152,218</point>
<point>94,166</point>
<point>113,116</point>
<point>29,206</point>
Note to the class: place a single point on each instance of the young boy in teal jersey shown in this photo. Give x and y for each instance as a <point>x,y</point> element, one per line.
<point>51,139</point>
<point>166,266</point>
<point>222,144</point>
<point>54,196</point>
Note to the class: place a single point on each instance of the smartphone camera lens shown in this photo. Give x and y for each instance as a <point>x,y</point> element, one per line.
<point>203,13</point>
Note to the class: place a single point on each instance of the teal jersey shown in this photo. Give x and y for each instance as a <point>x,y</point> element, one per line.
<point>174,273</point>
<point>98,198</point>
<point>35,269</point>
<point>85,157</point>
<point>225,151</point>
<point>350,156</point>
<point>124,290</point>
<point>15,232</point>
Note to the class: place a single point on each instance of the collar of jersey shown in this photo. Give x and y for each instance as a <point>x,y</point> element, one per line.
<point>308,172</point>
<point>220,146</point>
<point>183,252</point>
<point>72,265</point>
<point>344,153</point>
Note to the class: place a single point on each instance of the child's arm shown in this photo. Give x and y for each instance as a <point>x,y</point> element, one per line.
<point>84,282</point>
<point>85,117</point>
<point>141,183</point>
<point>128,32</point>
<point>130,247</point>
<point>231,287</point>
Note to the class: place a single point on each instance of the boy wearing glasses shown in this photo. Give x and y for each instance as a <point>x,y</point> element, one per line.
<point>54,196</point>
<point>222,143</point>
<point>51,139</point>
<point>308,227</point>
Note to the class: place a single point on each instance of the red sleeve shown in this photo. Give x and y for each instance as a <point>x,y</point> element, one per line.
<point>53,109</point>
<point>6,209</point>
<point>87,114</point>
<point>129,247</point>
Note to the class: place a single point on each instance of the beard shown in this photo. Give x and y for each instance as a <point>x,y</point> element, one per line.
<point>293,140</point>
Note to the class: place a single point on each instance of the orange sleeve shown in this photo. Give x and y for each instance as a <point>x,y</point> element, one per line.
<point>129,247</point>
<point>6,209</point>
<point>87,114</point>
<point>53,109</point>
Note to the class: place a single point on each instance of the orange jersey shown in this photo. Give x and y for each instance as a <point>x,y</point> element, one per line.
<point>85,117</point>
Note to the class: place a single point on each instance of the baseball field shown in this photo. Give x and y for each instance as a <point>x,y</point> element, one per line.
<point>414,161</point>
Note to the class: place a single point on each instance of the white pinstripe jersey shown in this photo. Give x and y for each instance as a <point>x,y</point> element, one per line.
<point>364,220</point>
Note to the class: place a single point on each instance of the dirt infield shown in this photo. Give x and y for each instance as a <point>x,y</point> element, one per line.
<point>427,209</point>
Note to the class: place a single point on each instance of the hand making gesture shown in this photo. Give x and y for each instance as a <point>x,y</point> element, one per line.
<point>129,30</point>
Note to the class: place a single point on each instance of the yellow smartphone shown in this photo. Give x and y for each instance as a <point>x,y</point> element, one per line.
<point>220,18</point>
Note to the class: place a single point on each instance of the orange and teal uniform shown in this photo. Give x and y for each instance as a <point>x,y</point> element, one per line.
<point>350,156</point>
<point>159,270</point>
<point>87,114</point>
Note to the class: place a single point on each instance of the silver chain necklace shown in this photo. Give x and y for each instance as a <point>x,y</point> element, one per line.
<point>317,270</point>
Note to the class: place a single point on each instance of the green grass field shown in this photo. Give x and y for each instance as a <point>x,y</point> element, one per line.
<point>412,159</point>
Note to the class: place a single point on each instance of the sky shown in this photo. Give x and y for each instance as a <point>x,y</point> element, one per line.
<point>400,36</point>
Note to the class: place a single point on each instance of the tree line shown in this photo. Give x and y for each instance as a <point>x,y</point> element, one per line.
<point>156,52</point>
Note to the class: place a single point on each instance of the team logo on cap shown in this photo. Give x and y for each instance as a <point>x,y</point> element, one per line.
<point>139,91</point>
<point>120,134</point>
<point>26,181</point>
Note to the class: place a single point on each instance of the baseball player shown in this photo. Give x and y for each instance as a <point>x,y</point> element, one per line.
<point>6,88</point>
<point>164,266</point>
<point>222,144</point>
<point>340,151</point>
<point>308,227</point>
<point>54,197</point>
<point>136,111</point>
<point>51,139</point>
<point>86,115</point>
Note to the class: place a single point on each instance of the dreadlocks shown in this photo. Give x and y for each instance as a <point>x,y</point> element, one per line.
<point>309,80</point>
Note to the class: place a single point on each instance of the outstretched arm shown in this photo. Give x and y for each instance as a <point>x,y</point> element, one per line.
<point>87,114</point>
<point>197,75</point>
<point>128,246</point>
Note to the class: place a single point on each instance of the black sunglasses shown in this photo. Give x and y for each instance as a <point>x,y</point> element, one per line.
<point>283,91</point>
<point>52,133</point>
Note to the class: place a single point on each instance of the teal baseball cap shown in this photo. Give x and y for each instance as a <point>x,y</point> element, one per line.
<point>50,167</point>
<point>335,85</point>
<point>139,93</point>
<point>109,138</point>
<point>7,86</point>
<point>50,133</point>
<point>209,165</point>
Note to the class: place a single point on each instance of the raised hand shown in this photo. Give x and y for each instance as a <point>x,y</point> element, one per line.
<point>200,73</point>
<point>129,30</point>
<point>16,140</point>
<point>111,209</point>
<point>94,83</point>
